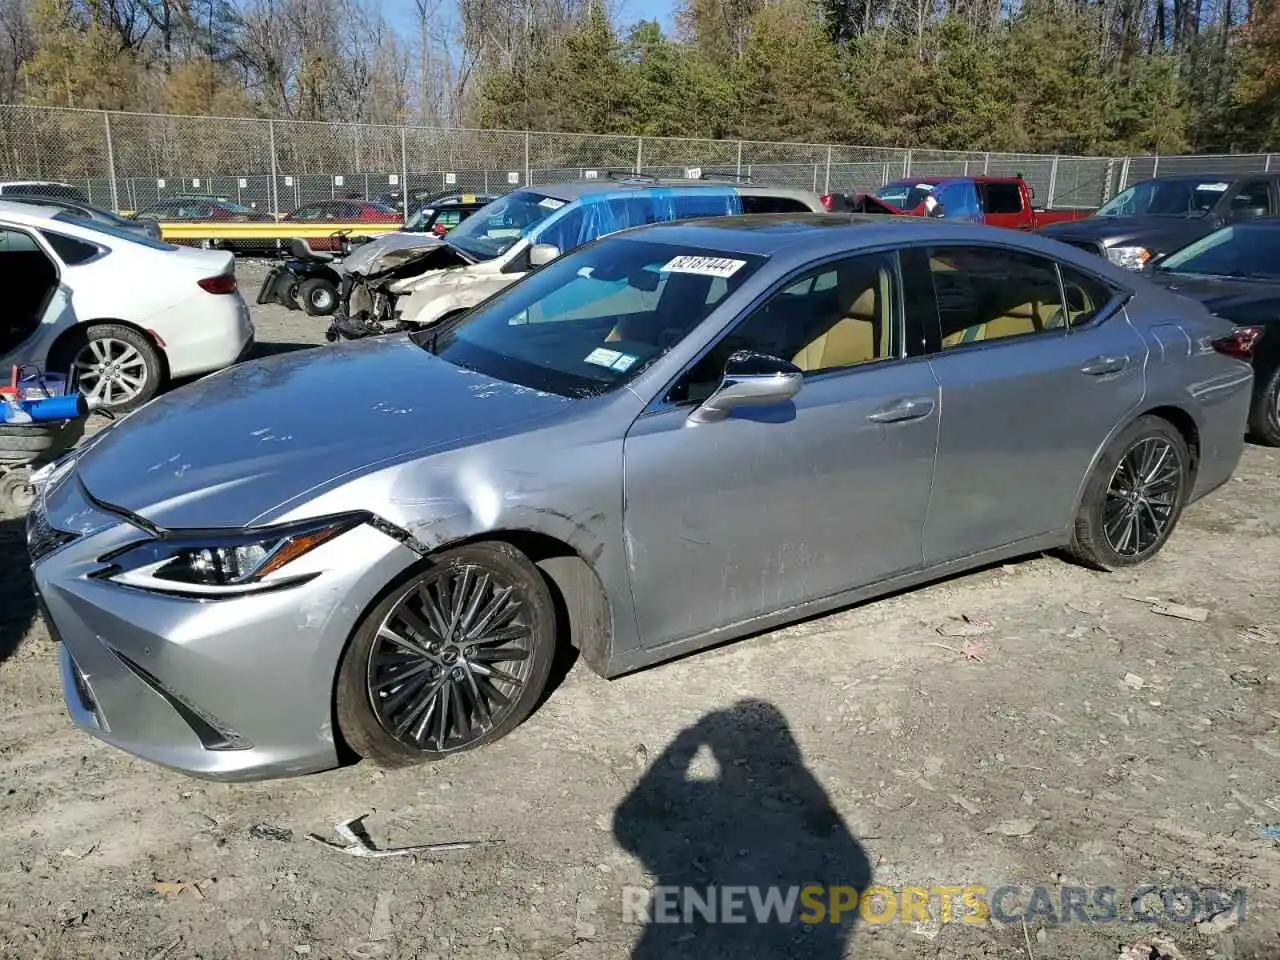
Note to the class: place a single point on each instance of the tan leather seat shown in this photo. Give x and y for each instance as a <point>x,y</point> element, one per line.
<point>1014,322</point>
<point>853,338</point>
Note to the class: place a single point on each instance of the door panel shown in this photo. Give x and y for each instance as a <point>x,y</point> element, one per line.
<point>1023,411</point>
<point>778,505</point>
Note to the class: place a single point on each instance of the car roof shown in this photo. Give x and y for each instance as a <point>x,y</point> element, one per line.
<point>935,180</point>
<point>31,214</point>
<point>1212,177</point>
<point>803,237</point>
<point>573,189</point>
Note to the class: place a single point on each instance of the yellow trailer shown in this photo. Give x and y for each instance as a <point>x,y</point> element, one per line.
<point>186,231</point>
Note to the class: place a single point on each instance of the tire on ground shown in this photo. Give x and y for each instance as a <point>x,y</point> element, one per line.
<point>81,337</point>
<point>357,722</point>
<point>1264,417</point>
<point>1089,543</point>
<point>308,289</point>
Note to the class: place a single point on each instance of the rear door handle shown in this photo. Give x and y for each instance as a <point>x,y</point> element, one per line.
<point>1100,366</point>
<point>910,408</point>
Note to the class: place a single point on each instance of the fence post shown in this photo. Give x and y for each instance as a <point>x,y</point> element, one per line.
<point>639,154</point>
<point>1266,164</point>
<point>1053,181</point>
<point>111,161</point>
<point>273,198</point>
<point>1124,176</point>
<point>739,170</point>
<point>1155,166</point>
<point>826,188</point>
<point>986,164</point>
<point>404,171</point>
<point>906,164</point>
<point>527,179</point>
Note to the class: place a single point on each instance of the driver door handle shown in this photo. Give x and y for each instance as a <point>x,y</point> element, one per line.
<point>1100,366</point>
<point>909,408</point>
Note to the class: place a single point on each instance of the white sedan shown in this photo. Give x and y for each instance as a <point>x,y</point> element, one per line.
<point>121,312</point>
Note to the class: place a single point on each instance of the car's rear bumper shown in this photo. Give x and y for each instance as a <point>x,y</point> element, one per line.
<point>213,335</point>
<point>1224,404</point>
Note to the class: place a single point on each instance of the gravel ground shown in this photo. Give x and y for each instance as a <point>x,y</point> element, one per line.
<point>1084,741</point>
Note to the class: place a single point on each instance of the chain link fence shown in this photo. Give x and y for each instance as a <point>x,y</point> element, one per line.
<point>129,161</point>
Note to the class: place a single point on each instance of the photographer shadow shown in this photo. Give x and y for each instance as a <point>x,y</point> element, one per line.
<point>730,804</point>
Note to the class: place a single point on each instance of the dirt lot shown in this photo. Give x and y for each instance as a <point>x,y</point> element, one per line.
<point>1087,741</point>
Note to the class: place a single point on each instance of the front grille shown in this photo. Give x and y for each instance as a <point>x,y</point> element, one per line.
<point>43,539</point>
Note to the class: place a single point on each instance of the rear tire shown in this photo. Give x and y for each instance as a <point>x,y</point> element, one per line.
<point>116,365</point>
<point>457,656</point>
<point>1134,496</point>
<point>1264,417</point>
<point>318,297</point>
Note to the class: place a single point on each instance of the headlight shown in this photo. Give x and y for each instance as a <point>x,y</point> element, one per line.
<point>212,564</point>
<point>1131,258</point>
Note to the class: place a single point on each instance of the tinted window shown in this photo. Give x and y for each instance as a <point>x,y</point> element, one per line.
<point>495,229</point>
<point>757,204</point>
<point>838,316</point>
<point>904,196</point>
<point>591,320</point>
<point>118,233</point>
<point>1002,198</point>
<point>985,294</point>
<point>1085,295</point>
<point>1243,251</point>
<point>70,250</point>
<point>1253,195</point>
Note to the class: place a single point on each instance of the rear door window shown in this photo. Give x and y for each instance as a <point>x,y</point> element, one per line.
<point>1001,198</point>
<point>989,293</point>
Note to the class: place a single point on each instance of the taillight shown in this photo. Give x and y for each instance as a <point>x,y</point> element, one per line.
<point>222,283</point>
<point>1239,343</point>
<point>828,201</point>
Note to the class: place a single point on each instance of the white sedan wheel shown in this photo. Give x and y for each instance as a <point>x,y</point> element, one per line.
<point>117,368</point>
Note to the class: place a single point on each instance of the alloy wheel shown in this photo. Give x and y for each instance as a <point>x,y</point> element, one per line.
<point>1142,496</point>
<point>111,371</point>
<point>451,659</point>
<point>322,298</point>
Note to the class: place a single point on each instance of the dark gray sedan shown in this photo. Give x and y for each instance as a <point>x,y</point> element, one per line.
<point>667,438</point>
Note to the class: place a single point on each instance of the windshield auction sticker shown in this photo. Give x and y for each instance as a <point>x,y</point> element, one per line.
<point>703,266</point>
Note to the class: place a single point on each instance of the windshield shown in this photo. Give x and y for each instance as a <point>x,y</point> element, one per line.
<point>494,229</point>
<point>587,323</point>
<point>904,196</point>
<point>1250,253</point>
<point>110,230</point>
<point>1166,198</point>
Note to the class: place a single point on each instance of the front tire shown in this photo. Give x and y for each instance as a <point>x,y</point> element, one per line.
<point>455,657</point>
<point>1134,497</point>
<point>318,297</point>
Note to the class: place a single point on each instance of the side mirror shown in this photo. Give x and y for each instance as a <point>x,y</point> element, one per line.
<point>750,380</point>
<point>540,254</point>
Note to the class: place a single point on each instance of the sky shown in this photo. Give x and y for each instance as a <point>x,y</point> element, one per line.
<point>399,13</point>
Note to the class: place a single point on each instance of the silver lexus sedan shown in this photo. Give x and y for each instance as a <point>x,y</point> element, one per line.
<point>668,438</point>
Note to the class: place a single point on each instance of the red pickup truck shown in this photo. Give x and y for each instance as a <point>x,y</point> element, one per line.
<point>995,201</point>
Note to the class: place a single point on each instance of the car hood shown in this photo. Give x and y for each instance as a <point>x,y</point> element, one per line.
<point>226,450</point>
<point>1244,301</point>
<point>1158,234</point>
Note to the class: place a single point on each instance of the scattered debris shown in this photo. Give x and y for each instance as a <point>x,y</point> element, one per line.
<point>1220,921</point>
<point>1014,828</point>
<point>380,926</point>
<point>967,805</point>
<point>358,844</point>
<point>974,650</point>
<point>166,949</point>
<point>1270,833</point>
<point>1026,938</point>
<point>269,831</point>
<point>302,949</point>
<point>177,888</point>
<point>1167,608</point>
<point>1258,633</point>
<point>1245,678</point>
<point>1155,948</point>
<point>1134,682</point>
<point>970,625</point>
<point>72,855</point>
